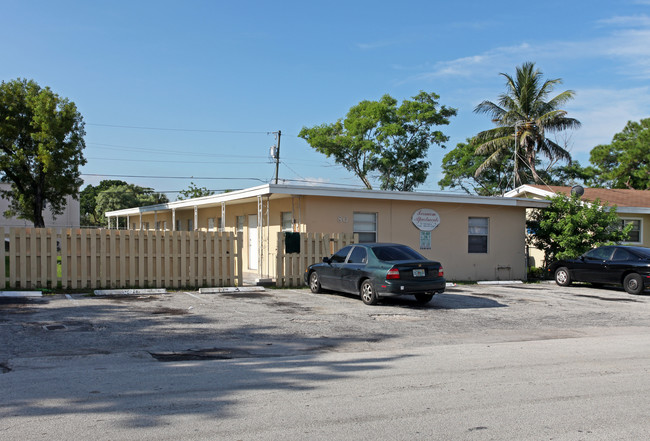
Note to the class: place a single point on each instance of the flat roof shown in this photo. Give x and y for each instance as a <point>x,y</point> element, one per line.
<point>275,191</point>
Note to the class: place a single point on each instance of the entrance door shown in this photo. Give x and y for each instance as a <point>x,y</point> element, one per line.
<point>253,250</point>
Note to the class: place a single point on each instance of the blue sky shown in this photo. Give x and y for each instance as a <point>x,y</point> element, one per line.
<point>173,92</point>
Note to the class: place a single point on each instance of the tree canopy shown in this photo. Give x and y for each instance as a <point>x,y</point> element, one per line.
<point>41,149</point>
<point>460,164</point>
<point>459,171</point>
<point>111,195</point>
<point>383,140</point>
<point>625,163</point>
<point>569,227</point>
<point>524,115</point>
<point>193,191</point>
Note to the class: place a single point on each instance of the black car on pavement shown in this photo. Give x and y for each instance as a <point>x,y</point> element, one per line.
<point>607,265</point>
<point>375,270</point>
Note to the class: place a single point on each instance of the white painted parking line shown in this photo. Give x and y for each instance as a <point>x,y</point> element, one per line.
<point>195,296</point>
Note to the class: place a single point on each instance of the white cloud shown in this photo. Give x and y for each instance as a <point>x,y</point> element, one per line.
<point>605,112</point>
<point>627,21</point>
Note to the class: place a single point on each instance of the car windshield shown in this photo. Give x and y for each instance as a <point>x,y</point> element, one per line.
<point>389,253</point>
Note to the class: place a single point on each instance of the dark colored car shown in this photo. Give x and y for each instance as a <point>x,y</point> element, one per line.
<point>607,265</point>
<point>375,270</point>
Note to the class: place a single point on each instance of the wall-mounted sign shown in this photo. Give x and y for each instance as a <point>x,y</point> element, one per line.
<point>425,240</point>
<point>425,219</point>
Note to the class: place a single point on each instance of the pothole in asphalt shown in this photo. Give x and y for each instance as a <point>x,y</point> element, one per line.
<point>170,311</point>
<point>246,295</point>
<point>65,326</point>
<point>200,354</point>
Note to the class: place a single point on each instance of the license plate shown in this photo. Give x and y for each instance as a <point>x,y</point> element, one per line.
<point>418,273</point>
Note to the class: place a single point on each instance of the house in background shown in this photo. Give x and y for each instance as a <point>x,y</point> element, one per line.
<point>68,219</point>
<point>632,207</point>
<point>475,237</point>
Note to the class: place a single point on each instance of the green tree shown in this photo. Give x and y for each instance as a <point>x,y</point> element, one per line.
<point>194,192</point>
<point>459,171</point>
<point>383,139</point>
<point>41,149</point>
<point>118,197</point>
<point>568,227</point>
<point>460,164</point>
<point>88,202</point>
<point>625,163</point>
<point>525,114</point>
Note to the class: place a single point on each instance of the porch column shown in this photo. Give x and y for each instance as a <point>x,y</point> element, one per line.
<point>196,217</point>
<point>223,216</point>
<point>140,221</point>
<point>173,219</point>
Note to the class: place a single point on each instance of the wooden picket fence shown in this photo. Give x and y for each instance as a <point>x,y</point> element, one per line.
<point>291,267</point>
<point>99,258</point>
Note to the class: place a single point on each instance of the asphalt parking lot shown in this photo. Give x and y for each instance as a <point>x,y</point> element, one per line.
<point>281,322</point>
<point>480,362</point>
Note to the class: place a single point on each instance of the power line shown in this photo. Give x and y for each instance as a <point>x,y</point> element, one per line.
<point>179,130</point>
<point>182,152</point>
<point>177,162</point>
<point>170,177</point>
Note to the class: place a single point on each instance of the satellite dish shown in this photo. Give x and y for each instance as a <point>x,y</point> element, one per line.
<point>578,190</point>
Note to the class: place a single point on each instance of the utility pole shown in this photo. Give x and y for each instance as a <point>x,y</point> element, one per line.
<point>277,157</point>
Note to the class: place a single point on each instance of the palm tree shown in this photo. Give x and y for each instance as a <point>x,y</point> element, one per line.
<point>524,115</point>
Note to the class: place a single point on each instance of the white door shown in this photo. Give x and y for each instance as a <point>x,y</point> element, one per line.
<point>252,242</point>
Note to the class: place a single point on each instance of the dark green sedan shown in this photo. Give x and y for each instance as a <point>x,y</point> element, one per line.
<point>375,270</point>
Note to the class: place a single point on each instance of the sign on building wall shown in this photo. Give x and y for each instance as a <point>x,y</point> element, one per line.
<point>425,219</point>
<point>425,240</point>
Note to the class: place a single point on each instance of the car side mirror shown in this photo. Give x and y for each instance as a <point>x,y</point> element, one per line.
<point>327,260</point>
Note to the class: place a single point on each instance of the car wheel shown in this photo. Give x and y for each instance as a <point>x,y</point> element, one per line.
<point>633,283</point>
<point>314,283</point>
<point>423,298</point>
<point>562,276</point>
<point>368,293</point>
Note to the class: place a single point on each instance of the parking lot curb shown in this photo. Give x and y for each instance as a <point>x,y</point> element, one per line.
<point>121,292</point>
<point>231,289</point>
<point>21,294</point>
<point>499,282</point>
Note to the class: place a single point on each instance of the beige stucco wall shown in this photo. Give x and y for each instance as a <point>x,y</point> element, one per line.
<point>505,258</point>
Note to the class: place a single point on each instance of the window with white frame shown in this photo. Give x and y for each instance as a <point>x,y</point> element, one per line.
<point>210,224</point>
<point>477,235</point>
<point>634,236</point>
<point>240,223</point>
<point>190,225</point>
<point>365,225</point>
<point>220,224</point>
<point>287,221</point>
<point>179,225</point>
